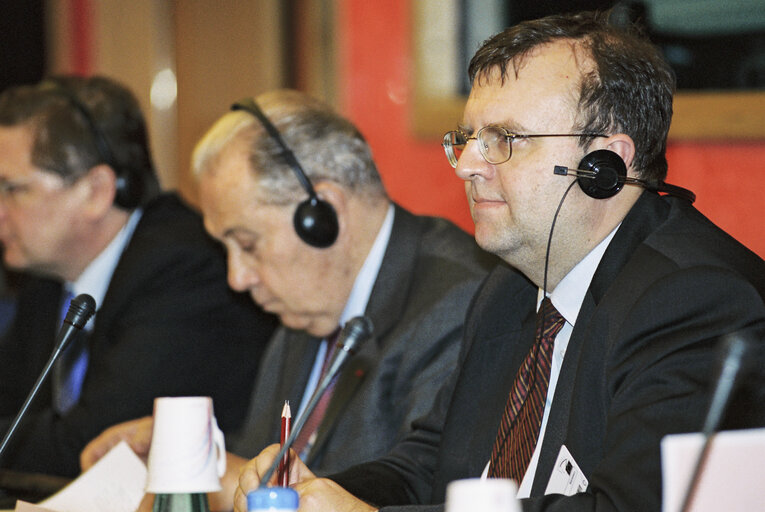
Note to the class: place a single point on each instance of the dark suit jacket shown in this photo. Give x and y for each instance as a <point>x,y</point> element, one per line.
<point>639,365</point>
<point>428,275</point>
<point>168,325</point>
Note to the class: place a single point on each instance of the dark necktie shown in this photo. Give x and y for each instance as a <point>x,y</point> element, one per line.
<point>305,438</point>
<point>69,372</point>
<point>522,419</point>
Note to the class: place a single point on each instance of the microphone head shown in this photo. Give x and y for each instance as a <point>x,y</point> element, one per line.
<point>354,333</point>
<point>560,170</point>
<point>81,308</point>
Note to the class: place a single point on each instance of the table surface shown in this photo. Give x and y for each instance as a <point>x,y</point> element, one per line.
<point>31,487</point>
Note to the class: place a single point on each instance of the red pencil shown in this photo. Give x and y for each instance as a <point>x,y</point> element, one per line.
<point>283,474</point>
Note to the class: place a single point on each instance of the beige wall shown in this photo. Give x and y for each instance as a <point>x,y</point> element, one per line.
<point>219,50</point>
<point>226,50</point>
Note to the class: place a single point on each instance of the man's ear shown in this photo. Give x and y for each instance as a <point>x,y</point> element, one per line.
<point>623,145</point>
<point>99,187</point>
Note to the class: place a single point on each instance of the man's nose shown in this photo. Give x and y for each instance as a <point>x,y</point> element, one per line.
<point>241,277</point>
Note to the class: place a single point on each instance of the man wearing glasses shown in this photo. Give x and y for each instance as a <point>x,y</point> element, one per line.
<point>600,337</point>
<point>80,212</point>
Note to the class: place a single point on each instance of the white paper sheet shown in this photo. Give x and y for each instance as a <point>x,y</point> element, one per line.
<point>733,476</point>
<point>115,483</point>
<point>23,506</point>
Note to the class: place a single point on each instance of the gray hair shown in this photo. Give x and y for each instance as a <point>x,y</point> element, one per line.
<point>327,146</point>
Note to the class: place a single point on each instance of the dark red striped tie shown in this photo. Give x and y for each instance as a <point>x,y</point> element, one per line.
<point>522,419</point>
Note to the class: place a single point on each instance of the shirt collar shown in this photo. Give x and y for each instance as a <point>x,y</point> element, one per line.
<point>95,279</point>
<point>568,296</point>
<point>365,280</point>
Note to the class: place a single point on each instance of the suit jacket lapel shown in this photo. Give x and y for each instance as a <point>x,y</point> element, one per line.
<point>637,225</point>
<point>396,273</point>
<point>384,308</point>
<point>128,276</point>
<point>299,356</point>
<point>346,386</point>
<point>131,272</point>
<point>498,339</point>
<point>283,373</point>
<point>513,347</point>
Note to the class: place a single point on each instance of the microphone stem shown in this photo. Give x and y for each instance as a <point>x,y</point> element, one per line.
<point>28,401</point>
<point>736,348</point>
<point>355,331</point>
<point>81,308</point>
<point>697,470</point>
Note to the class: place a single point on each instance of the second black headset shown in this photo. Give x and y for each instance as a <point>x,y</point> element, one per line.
<point>315,219</point>
<point>130,190</point>
<point>602,174</point>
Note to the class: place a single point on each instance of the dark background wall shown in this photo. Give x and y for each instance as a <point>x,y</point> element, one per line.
<point>22,42</point>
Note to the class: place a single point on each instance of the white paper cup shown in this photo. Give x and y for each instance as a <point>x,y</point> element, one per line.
<point>187,452</point>
<point>482,495</point>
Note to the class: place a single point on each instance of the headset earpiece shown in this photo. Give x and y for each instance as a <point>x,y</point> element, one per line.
<point>610,173</point>
<point>315,222</point>
<point>129,191</point>
<point>602,174</point>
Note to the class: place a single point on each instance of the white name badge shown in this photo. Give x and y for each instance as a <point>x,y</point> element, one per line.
<point>566,477</point>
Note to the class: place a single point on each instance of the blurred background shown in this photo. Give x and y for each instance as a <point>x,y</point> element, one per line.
<point>396,68</point>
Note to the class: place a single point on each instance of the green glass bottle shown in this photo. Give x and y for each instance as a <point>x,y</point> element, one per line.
<point>181,502</point>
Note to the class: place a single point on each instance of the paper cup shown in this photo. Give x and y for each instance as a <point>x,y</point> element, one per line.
<point>187,452</point>
<point>482,495</point>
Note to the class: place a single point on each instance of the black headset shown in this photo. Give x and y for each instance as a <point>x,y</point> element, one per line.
<point>602,174</point>
<point>315,219</point>
<point>129,189</point>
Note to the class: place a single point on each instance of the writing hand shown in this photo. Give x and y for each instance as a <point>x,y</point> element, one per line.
<point>250,475</point>
<point>316,494</point>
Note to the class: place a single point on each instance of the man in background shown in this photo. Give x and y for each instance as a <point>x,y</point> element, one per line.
<point>80,212</point>
<point>601,337</point>
<point>412,276</point>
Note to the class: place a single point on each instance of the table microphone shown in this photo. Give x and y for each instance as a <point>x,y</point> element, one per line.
<point>81,308</point>
<point>734,347</point>
<point>354,333</point>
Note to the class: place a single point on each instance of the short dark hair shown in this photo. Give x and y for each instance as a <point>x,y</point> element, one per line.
<point>630,90</point>
<point>63,111</point>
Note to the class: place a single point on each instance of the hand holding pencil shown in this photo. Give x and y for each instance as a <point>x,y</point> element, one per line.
<point>316,494</point>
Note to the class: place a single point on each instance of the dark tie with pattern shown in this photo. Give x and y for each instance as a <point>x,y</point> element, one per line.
<point>522,419</point>
<point>305,438</point>
<point>69,372</point>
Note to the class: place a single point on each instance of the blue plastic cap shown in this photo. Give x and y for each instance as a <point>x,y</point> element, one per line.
<point>282,498</point>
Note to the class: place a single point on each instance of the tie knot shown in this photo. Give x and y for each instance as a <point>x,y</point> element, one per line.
<point>331,341</point>
<point>549,320</point>
<point>66,299</point>
<point>332,337</point>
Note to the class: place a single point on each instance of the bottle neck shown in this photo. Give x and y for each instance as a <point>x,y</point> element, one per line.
<point>181,502</point>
